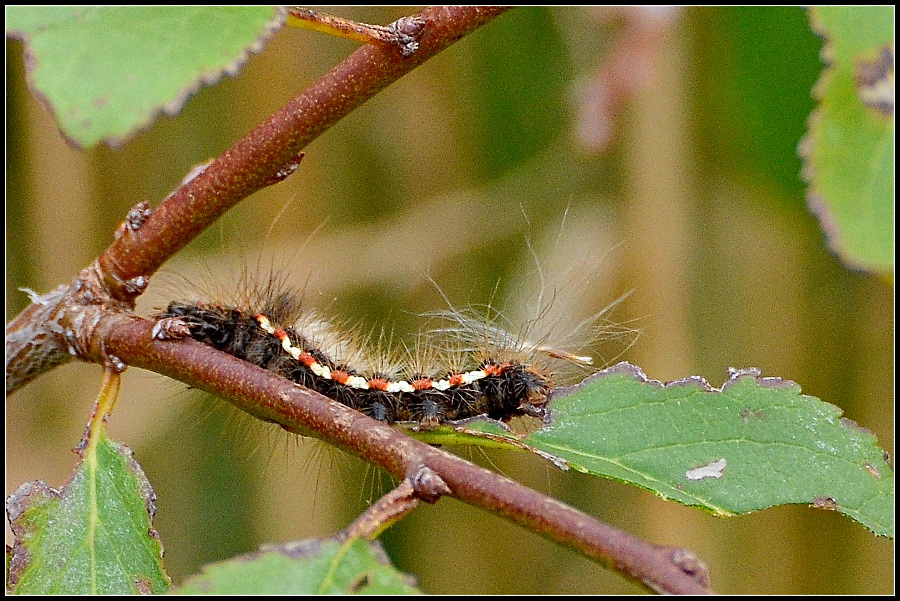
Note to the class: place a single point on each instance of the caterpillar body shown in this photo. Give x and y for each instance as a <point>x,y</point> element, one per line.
<point>280,337</point>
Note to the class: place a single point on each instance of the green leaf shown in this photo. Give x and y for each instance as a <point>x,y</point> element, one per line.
<point>306,568</point>
<point>107,71</point>
<point>94,536</point>
<point>754,443</point>
<point>849,149</point>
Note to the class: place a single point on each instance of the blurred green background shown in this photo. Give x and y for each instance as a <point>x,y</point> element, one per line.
<point>695,204</point>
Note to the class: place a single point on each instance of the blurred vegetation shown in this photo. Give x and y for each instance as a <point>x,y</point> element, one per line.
<point>697,206</point>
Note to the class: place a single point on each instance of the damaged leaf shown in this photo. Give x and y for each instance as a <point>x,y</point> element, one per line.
<point>92,537</point>
<point>751,444</point>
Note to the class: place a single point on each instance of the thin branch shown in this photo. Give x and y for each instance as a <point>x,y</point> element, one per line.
<point>353,30</point>
<point>384,513</point>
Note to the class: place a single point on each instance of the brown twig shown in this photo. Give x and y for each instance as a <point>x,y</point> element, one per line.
<point>353,30</point>
<point>32,343</point>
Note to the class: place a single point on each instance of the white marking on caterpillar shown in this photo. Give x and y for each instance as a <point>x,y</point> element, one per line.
<point>357,382</point>
<point>361,383</point>
<point>400,386</point>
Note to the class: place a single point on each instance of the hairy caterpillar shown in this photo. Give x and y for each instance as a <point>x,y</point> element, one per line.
<point>480,369</point>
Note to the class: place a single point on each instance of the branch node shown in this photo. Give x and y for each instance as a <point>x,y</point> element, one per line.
<point>135,218</point>
<point>115,364</point>
<point>427,485</point>
<point>137,285</point>
<point>408,30</point>
<point>285,172</point>
<point>688,562</point>
<point>170,328</point>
